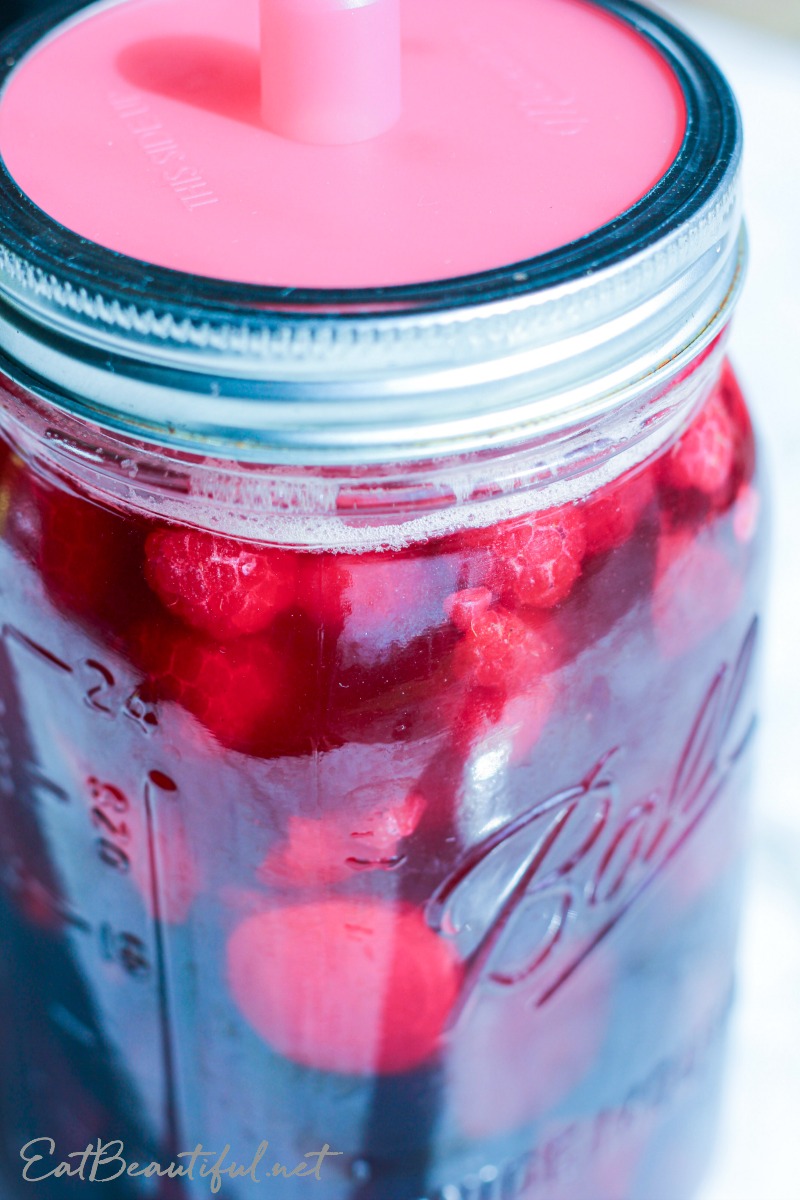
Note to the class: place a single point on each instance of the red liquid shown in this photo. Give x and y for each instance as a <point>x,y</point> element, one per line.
<point>430,855</point>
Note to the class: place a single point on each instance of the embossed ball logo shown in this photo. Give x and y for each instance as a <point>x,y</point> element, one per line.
<point>563,873</point>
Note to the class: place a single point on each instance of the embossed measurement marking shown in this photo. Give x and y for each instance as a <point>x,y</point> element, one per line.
<point>97,684</point>
<point>110,809</point>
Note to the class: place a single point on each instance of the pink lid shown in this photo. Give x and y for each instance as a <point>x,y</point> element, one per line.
<point>525,125</point>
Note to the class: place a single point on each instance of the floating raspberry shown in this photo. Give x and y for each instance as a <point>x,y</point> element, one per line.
<point>331,848</point>
<point>466,606</point>
<point>500,650</point>
<point>356,987</point>
<point>504,663</point>
<point>696,589</point>
<point>244,692</point>
<point>540,559</point>
<point>612,513</point>
<point>222,587</point>
<point>704,456</point>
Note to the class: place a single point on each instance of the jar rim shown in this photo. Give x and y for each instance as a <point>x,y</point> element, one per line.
<point>380,373</point>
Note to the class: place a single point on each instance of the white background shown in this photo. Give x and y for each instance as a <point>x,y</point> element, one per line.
<point>757,1157</point>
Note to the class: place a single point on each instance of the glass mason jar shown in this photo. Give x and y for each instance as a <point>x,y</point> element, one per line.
<point>376,696</point>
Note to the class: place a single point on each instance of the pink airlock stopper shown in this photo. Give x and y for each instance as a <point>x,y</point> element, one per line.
<point>330,69</point>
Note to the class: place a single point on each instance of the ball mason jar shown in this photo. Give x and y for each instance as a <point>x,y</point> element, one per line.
<point>376,695</point>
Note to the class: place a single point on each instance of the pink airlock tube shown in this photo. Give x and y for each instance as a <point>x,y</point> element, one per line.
<point>330,69</point>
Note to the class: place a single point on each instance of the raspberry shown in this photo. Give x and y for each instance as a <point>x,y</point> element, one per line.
<point>612,513</point>
<point>332,847</point>
<point>499,650</point>
<point>243,691</point>
<point>355,987</point>
<point>696,590</point>
<point>540,560</point>
<point>466,606</point>
<point>704,457</point>
<point>511,659</point>
<point>219,586</point>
